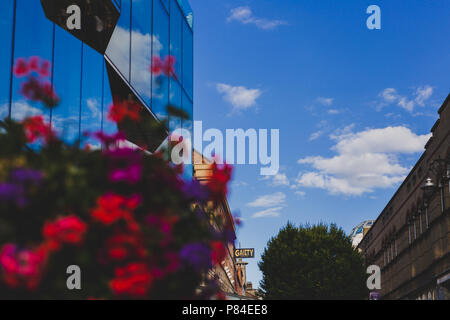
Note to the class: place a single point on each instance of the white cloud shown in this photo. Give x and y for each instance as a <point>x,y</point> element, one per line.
<point>245,15</point>
<point>241,98</point>
<point>141,52</point>
<point>270,200</point>
<point>280,179</point>
<point>20,110</point>
<point>271,212</point>
<point>316,135</point>
<point>365,161</point>
<point>325,101</point>
<point>423,94</point>
<point>300,193</point>
<point>94,108</point>
<point>419,97</point>
<point>334,111</point>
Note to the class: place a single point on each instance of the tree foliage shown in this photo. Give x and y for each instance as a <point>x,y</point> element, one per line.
<point>312,262</point>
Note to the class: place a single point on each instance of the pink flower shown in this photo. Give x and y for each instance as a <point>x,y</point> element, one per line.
<point>33,63</point>
<point>36,128</point>
<point>44,70</point>
<point>21,68</point>
<point>22,268</point>
<point>64,230</point>
<point>165,66</point>
<point>131,174</point>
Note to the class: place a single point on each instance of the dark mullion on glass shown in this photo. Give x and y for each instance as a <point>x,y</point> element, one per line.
<point>12,58</point>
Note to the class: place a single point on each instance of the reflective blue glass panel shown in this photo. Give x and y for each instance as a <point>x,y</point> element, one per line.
<point>67,83</point>
<point>176,20</point>
<point>188,59</point>
<point>6,26</point>
<point>188,125</point>
<point>175,100</point>
<point>141,48</point>
<point>119,46</point>
<point>160,82</point>
<point>34,37</point>
<point>108,126</point>
<point>91,99</point>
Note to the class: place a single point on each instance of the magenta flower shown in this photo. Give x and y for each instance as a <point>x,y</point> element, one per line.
<point>131,174</point>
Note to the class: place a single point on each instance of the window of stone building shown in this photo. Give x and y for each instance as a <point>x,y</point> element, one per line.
<point>409,233</point>
<point>420,221</point>
<point>392,251</point>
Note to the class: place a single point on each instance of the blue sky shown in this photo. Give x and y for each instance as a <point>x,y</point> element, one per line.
<point>354,106</point>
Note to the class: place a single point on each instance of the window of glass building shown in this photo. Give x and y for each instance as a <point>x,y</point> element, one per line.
<point>6,26</point>
<point>108,126</point>
<point>188,125</point>
<point>175,100</point>
<point>91,99</point>
<point>118,50</point>
<point>67,82</point>
<point>141,48</point>
<point>160,82</point>
<point>33,37</point>
<point>176,29</point>
<point>188,68</point>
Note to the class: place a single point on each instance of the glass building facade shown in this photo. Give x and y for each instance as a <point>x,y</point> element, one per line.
<point>108,58</point>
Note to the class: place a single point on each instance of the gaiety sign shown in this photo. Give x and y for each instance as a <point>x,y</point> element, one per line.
<point>244,253</point>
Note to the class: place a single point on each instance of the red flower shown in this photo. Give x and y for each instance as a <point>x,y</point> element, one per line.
<point>21,68</point>
<point>44,70</point>
<point>157,66</point>
<point>218,184</point>
<point>36,128</point>
<point>118,112</point>
<point>219,252</point>
<point>112,207</point>
<point>122,246</point>
<point>22,268</point>
<point>33,63</point>
<point>133,280</point>
<point>38,91</point>
<point>165,66</point>
<point>64,230</point>
<point>169,66</point>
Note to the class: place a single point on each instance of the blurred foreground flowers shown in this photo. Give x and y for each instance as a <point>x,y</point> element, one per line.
<point>128,219</point>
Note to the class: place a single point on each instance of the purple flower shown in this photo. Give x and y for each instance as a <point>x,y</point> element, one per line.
<point>109,139</point>
<point>198,255</point>
<point>193,190</point>
<point>12,192</point>
<point>23,175</point>
<point>131,174</point>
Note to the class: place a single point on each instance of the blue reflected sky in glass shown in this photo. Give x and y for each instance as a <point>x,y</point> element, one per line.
<point>187,10</point>
<point>6,24</point>
<point>165,3</point>
<point>119,46</point>
<point>160,85</point>
<point>91,100</point>
<point>176,36</point>
<point>175,100</point>
<point>67,83</point>
<point>187,125</point>
<point>34,37</point>
<point>188,68</point>
<point>108,126</point>
<point>141,48</point>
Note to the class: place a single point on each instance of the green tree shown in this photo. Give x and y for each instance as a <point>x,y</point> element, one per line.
<point>312,262</point>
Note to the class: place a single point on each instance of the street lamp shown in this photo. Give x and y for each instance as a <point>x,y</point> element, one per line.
<point>428,189</point>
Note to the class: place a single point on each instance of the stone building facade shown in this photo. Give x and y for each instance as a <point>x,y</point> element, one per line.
<point>229,274</point>
<point>409,241</point>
